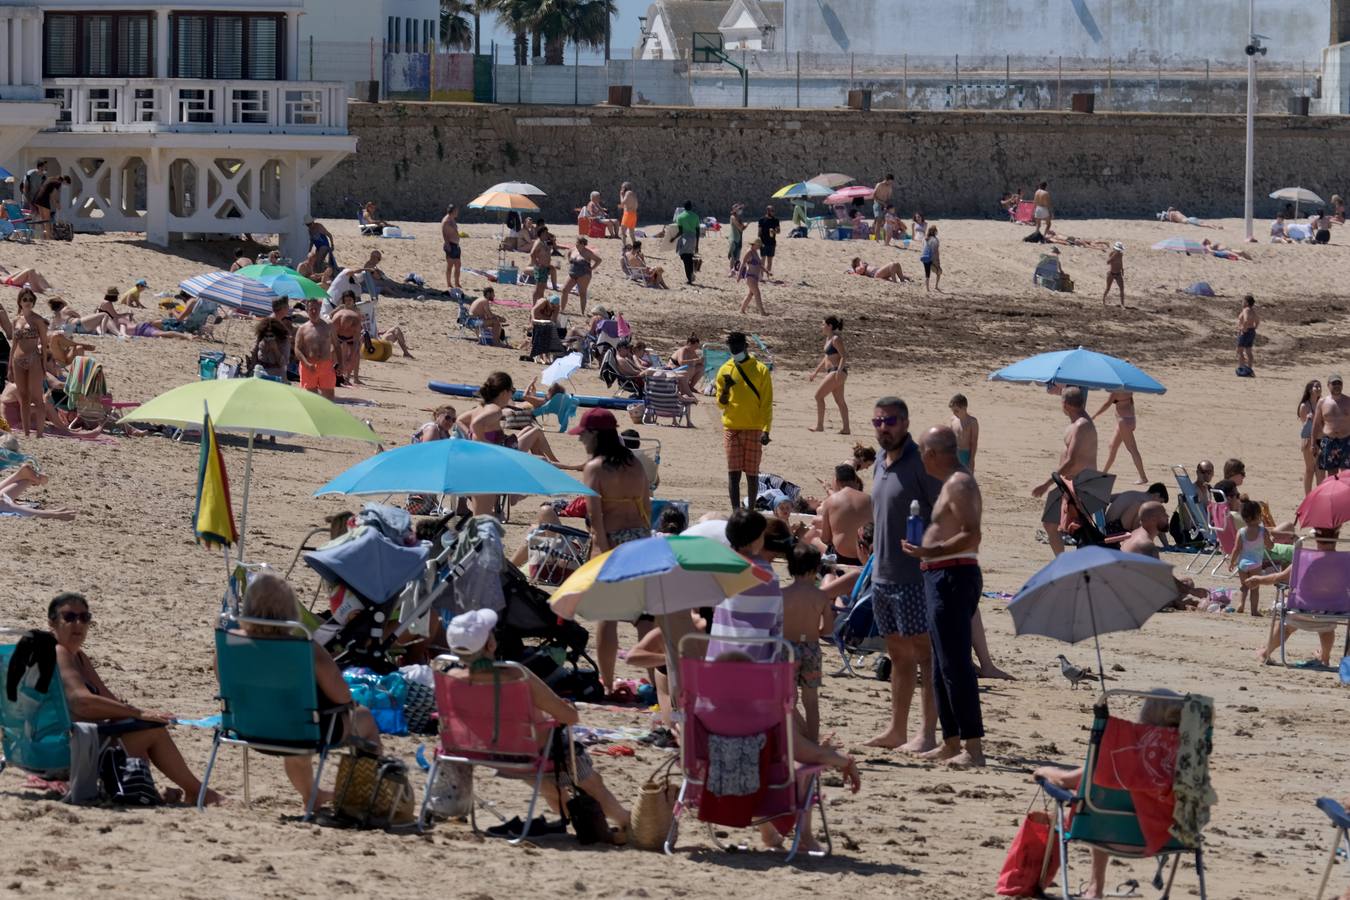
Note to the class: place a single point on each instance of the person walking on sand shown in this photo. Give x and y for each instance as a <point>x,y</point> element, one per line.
<point>1248,321</point>
<point>736,234</point>
<point>768,234</point>
<point>752,268</point>
<point>1331,428</point>
<point>949,559</point>
<point>316,347</point>
<point>881,200</point>
<point>450,242</point>
<point>628,202</point>
<point>1115,272</point>
<point>744,390</point>
<point>686,241</point>
<point>1079,456</point>
<point>1307,409</point>
<point>967,430</point>
<point>835,363</point>
<point>932,261</point>
<point>1123,401</point>
<point>1045,210</point>
<point>900,480</point>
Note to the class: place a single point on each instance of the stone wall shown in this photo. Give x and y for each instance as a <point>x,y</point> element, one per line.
<point>414,157</point>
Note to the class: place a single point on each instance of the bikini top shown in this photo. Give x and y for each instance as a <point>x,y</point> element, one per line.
<point>830,349</point>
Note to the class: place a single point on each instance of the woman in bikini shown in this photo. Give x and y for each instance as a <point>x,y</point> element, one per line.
<point>89,700</point>
<point>581,262</point>
<point>485,424</point>
<point>1307,405</point>
<point>888,272</point>
<point>620,512</point>
<point>654,276</point>
<point>751,267</point>
<point>27,355</point>
<point>690,356</point>
<point>21,479</point>
<point>1123,401</point>
<point>68,320</point>
<point>835,363</point>
<point>29,278</point>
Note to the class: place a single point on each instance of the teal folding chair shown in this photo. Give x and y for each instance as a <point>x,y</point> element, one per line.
<point>269,701</point>
<point>35,725</point>
<point>1105,819</point>
<point>1340,820</point>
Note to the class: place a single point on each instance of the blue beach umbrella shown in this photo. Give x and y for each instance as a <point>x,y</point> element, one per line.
<point>460,467</point>
<point>1084,368</point>
<point>248,295</point>
<point>803,190</point>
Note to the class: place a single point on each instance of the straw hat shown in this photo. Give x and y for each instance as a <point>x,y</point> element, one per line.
<point>1118,247</point>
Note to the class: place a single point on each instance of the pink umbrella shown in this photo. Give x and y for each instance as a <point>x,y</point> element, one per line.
<point>1328,504</point>
<point>847,194</point>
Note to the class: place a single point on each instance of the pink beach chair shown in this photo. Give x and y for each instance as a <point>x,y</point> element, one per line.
<point>493,726</point>
<point>742,700</point>
<point>1225,531</point>
<point>1318,595</point>
<point>1024,213</point>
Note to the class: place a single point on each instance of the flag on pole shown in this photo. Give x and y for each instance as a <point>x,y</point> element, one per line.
<point>213,518</point>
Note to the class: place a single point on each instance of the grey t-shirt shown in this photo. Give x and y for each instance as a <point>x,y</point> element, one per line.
<point>894,487</point>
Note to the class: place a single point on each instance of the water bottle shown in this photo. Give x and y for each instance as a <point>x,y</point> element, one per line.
<point>914,525</point>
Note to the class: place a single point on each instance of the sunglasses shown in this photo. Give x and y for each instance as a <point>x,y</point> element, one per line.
<point>886,421</point>
<point>70,618</point>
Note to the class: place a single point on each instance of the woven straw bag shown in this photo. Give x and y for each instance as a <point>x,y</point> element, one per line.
<point>374,791</point>
<point>654,809</point>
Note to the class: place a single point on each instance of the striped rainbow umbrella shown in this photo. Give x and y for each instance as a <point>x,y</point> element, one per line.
<point>285,281</point>
<point>655,576</point>
<point>248,295</point>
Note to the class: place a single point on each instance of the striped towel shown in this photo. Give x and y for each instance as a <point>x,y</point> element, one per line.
<point>757,613</point>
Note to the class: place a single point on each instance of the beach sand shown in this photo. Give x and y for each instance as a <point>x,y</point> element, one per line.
<point>914,830</point>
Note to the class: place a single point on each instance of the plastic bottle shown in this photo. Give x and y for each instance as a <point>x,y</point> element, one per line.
<point>914,525</point>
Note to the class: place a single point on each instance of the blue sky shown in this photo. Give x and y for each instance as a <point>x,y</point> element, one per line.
<point>624,33</point>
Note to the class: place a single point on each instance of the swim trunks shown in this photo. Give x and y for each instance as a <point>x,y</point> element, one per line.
<point>629,218</point>
<point>744,449</point>
<point>899,609</point>
<point>1334,454</point>
<point>810,670</point>
<point>1246,338</point>
<point>963,457</point>
<point>320,376</point>
<point>452,251</point>
<point>627,535</point>
<point>1042,212</point>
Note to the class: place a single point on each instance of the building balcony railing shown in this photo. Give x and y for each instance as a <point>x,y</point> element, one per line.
<point>191,105</point>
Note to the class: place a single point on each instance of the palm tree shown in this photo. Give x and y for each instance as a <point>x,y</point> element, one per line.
<point>519,16</point>
<point>454,30</point>
<point>583,22</point>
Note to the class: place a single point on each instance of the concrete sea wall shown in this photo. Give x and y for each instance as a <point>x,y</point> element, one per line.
<point>414,158</point>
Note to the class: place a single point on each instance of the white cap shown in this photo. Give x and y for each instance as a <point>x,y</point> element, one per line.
<point>468,632</point>
<point>1118,246</point>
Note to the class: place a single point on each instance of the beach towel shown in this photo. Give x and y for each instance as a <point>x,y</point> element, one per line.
<point>1141,759</point>
<point>1199,289</point>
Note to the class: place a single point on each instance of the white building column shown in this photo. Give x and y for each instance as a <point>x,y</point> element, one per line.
<point>14,51</point>
<point>156,198</point>
<point>294,236</point>
<point>162,43</point>
<point>32,50</point>
<point>293,67</point>
<point>4,43</point>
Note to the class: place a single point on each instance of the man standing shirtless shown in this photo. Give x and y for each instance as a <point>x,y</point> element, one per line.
<point>881,198</point>
<point>628,202</point>
<point>967,429</point>
<point>450,241</point>
<point>1331,428</point>
<point>1115,272</point>
<point>949,559</point>
<point>1247,323</point>
<point>842,513</point>
<point>347,324</point>
<point>315,349</point>
<point>1079,456</point>
<point>1045,210</point>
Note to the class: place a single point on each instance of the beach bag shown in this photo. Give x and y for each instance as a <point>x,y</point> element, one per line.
<point>373,791</point>
<point>63,231</point>
<point>126,779</point>
<point>582,811</point>
<point>450,796</point>
<point>654,810</point>
<point>514,419</point>
<point>1021,875</point>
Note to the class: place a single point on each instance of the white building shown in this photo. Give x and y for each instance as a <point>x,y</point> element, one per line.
<point>179,119</point>
<point>346,40</point>
<point>669,27</point>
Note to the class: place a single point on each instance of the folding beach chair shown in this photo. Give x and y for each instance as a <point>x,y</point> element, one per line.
<point>1024,213</point>
<point>659,505</point>
<point>556,551</point>
<point>1225,535</point>
<point>855,628</point>
<point>35,725</point>
<point>662,401</point>
<point>492,724</point>
<point>1340,822</point>
<point>269,701</point>
<point>1195,517</point>
<point>366,228</point>
<point>610,375</point>
<point>196,322</point>
<point>1318,594</point>
<point>714,357</point>
<point>545,339</point>
<point>1048,273</point>
<point>1105,817</point>
<point>637,274</point>
<point>20,223</point>
<point>736,707</point>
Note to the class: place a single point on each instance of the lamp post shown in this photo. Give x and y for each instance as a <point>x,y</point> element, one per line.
<point>1254,47</point>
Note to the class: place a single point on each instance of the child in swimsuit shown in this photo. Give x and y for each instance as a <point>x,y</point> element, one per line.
<point>804,605</point>
<point>1249,553</point>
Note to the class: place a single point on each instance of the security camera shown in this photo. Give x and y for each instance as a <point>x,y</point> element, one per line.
<point>1256,46</point>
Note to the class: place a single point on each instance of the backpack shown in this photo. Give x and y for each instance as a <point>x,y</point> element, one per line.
<point>126,779</point>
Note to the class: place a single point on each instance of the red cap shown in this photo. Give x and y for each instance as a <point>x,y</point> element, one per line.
<point>596,420</point>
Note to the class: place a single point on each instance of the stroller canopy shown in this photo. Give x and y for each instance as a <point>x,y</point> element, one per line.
<point>368,563</point>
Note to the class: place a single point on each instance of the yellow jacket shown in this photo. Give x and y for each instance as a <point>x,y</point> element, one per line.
<point>744,411</point>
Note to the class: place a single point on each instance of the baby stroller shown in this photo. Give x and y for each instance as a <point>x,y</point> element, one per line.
<point>855,629</point>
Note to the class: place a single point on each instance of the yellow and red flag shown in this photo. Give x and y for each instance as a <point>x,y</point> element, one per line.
<point>213,518</point>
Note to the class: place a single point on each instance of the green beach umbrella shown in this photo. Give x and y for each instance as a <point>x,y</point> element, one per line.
<point>285,281</point>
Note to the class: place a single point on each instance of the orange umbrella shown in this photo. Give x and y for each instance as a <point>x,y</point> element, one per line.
<point>500,201</point>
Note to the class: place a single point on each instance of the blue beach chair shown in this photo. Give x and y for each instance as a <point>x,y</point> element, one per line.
<point>269,701</point>
<point>35,725</point>
<point>1340,821</point>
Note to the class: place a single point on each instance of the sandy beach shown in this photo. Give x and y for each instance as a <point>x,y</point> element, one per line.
<point>915,830</point>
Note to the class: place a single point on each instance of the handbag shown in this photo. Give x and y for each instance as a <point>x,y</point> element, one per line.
<point>126,779</point>
<point>1021,875</point>
<point>654,810</point>
<point>373,791</point>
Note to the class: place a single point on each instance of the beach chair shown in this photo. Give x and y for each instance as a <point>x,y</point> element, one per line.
<point>659,505</point>
<point>714,357</point>
<point>269,702</point>
<point>1225,534</point>
<point>1106,818</point>
<point>196,322</point>
<point>661,400</point>
<point>20,223</point>
<point>556,551</point>
<point>1087,529</point>
<point>1318,594</point>
<point>471,328</point>
<point>855,629</point>
<point>726,702</point>
<point>610,375</point>
<point>1024,213</point>
<point>88,399</point>
<point>1195,517</point>
<point>1340,822</point>
<point>35,725</point>
<point>544,339</point>
<point>1048,273</point>
<point>366,228</point>
<point>494,725</point>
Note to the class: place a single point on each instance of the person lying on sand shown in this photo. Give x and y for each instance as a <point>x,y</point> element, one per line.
<point>15,483</point>
<point>29,278</point>
<point>1054,237</point>
<point>1222,252</point>
<point>1178,217</point>
<point>888,272</point>
<point>89,700</point>
<point>66,319</point>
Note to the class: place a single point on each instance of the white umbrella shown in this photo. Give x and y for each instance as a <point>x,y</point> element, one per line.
<point>713,528</point>
<point>561,369</point>
<point>1297,195</point>
<point>517,187</point>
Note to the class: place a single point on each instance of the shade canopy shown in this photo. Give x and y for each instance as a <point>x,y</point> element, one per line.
<point>461,467</point>
<point>252,405</point>
<point>1081,367</point>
